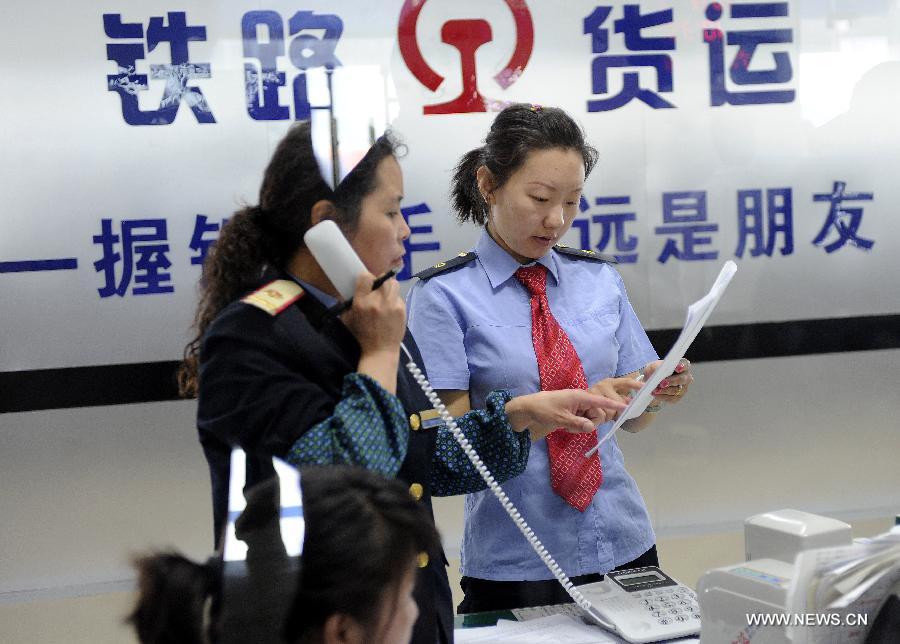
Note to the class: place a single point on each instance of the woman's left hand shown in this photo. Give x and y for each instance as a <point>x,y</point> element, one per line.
<point>673,388</point>
<point>620,389</point>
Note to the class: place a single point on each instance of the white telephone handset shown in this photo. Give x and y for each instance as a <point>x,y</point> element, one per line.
<point>341,264</point>
<point>335,255</point>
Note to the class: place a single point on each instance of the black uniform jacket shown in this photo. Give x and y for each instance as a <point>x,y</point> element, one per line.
<point>265,379</point>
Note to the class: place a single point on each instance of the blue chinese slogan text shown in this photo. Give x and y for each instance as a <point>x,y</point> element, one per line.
<point>306,50</point>
<point>134,253</point>
<point>263,43</point>
<point>651,54</point>
<point>765,224</point>
<point>741,38</point>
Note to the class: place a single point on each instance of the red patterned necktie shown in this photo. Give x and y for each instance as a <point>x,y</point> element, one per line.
<point>572,476</point>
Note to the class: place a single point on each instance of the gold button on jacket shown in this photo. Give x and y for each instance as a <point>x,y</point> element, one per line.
<point>416,490</point>
<point>414,422</point>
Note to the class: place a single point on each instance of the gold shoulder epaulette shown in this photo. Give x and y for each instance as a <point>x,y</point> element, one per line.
<point>274,297</point>
<point>440,267</point>
<point>585,254</point>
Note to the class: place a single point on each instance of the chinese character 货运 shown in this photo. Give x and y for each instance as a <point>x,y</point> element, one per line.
<point>630,25</point>
<point>747,41</point>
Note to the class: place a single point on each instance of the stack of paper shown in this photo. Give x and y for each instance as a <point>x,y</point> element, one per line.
<point>550,630</point>
<point>840,590</point>
<point>536,612</point>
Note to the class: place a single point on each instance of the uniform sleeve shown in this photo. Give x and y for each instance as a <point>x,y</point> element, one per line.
<point>368,428</point>
<point>260,390</point>
<point>635,350</point>
<point>439,333</point>
<point>503,451</point>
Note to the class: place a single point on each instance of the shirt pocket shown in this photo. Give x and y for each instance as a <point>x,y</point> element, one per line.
<point>500,357</point>
<point>604,313</point>
<point>593,333</point>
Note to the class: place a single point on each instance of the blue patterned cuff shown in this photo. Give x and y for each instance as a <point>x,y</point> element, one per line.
<point>367,428</point>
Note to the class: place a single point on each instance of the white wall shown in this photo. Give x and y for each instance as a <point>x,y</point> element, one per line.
<point>84,489</point>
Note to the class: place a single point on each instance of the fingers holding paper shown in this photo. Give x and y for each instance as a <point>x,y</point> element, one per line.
<point>619,389</point>
<point>674,387</point>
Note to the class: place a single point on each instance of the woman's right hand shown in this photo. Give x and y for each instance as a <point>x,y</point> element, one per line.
<point>573,410</point>
<point>377,318</point>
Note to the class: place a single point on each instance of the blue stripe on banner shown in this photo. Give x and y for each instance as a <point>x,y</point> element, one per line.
<point>30,265</point>
<point>294,511</point>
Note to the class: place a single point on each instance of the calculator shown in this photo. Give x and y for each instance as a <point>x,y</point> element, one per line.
<point>643,605</point>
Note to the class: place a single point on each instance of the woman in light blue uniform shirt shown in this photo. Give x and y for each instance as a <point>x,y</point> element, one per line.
<point>472,320</point>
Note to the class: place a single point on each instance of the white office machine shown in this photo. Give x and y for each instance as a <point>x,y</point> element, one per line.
<point>784,534</point>
<point>761,584</point>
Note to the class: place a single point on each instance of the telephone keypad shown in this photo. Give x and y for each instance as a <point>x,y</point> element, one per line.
<point>678,603</point>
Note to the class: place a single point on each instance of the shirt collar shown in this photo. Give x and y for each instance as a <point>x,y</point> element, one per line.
<point>327,300</point>
<point>500,265</point>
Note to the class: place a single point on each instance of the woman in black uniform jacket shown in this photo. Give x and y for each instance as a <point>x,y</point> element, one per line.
<point>277,375</point>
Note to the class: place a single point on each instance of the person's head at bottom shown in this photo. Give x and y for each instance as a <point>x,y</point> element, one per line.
<point>364,537</point>
<point>360,558</point>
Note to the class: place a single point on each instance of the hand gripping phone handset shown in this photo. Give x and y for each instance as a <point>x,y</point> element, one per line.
<point>343,266</point>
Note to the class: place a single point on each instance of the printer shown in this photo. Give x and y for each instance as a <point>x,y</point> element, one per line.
<point>760,585</point>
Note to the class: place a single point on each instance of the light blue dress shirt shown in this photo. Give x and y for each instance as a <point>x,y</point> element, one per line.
<point>472,324</point>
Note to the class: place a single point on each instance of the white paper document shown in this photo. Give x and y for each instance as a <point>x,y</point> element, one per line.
<point>552,629</point>
<point>697,314</point>
<point>536,612</point>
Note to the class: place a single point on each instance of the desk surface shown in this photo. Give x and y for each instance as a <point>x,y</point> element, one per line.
<point>470,623</point>
<point>489,618</point>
